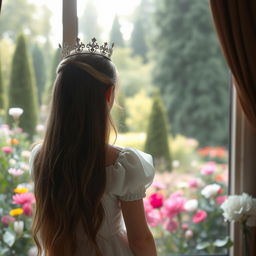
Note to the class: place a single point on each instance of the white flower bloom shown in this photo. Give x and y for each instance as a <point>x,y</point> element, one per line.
<point>12,162</point>
<point>18,227</point>
<point>210,190</point>
<point>32,251</point>
<point>191,205</point>
<point>24,166</point>
<point>15,112</point>
<point>40,128</point>
<point>239,208</point>
<point>189,234</point>
<point>25,154</point>
<point>176,163</point>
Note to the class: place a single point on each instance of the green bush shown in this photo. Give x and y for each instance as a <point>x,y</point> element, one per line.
<point>157,143</point>
<point>22,90</point>
<point>2,95</point>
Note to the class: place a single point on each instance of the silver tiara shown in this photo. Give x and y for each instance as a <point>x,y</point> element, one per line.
<point>92,47</point>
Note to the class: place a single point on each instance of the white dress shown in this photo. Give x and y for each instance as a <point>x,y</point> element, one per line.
<point>127,180</point>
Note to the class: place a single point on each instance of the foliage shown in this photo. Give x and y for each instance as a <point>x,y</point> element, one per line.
<point>138,109</point>
<point>188,220</point>
<point>119,113</point>
<point>48,90</point>
<point>184,152</point>
<point>39,67</point>
<point>15,239</point>
<point>157,134</point>
<point>88,23</point>
<point>139,43</point>
<point>22,91</point>
<point>134,75</point>
<point>130,139</point>
<point>18,16</point>
<point>191,72</point>
<point>116,35</point>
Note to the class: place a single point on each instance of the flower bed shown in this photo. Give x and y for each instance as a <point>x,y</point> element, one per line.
<point>189,220</point>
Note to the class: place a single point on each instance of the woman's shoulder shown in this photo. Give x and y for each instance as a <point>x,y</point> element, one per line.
<point>131,174</point>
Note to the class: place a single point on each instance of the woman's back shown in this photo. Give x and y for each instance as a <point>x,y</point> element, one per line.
<point>129,174</point>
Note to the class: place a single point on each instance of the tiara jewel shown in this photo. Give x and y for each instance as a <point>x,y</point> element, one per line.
<point>92,47</point>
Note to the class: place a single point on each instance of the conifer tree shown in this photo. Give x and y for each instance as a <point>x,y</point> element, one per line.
<point>191,72</point>
<point>138,40</point>
<point>157,135</point>
<point>116,35</point>
<point>22,90</point>
<point>40,74</point>
<point>121,114</point>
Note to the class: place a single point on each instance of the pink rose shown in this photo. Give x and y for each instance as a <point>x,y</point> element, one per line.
<point>147,205</point>
<point>156,200</point>
<point>158,185</point>
<point>185,226</point>
<point>221,199</point>
<point>7,150</point>
<point>15,172</point>
<point>23,198</point>
<point>200,216</point>
<point>171,225</point>
<point>6,220</point>
<point>27,209</point>
<point>174,205</point>
<point>153,218</point>
<point>193,183</point>
<point>209,168</point>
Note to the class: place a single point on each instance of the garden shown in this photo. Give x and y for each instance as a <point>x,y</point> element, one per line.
<point>171,102</point>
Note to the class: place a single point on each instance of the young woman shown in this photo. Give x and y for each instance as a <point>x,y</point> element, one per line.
<point>84,187</point>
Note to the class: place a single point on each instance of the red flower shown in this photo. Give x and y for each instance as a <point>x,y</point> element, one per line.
<point>200,216</point>
<point>27,209</point>
<point>156,200</point>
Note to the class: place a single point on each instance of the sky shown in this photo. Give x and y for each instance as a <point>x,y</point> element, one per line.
<point>107,9</point>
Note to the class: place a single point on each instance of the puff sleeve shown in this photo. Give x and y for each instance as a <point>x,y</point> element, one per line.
<point>32,158</point>
<point>131,175</point>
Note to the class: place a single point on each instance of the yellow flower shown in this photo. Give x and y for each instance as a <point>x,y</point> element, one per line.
<point>20,190</point>
<point>14,141</point>
<point>16,212</point>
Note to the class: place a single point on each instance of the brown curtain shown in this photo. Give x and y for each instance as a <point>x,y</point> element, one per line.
<point>235,23</point>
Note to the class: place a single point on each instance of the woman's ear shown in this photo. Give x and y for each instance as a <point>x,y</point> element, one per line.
<point>110,95</point>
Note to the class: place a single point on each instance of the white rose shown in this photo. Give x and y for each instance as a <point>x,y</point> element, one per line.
<point>15,112</point>
<point>239,208</point>
<point>191,205</point>
<point>210,190</point>
<point>18,227</point>
<point>176,163</point>
<point>25,154</point>
<point>189,234</point>
<point>32,251</point>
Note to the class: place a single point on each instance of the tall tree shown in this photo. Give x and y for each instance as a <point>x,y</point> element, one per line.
<point>143,24</point>
<point>22,15</point>
<point>40,75</point>
<point>157,134</point>
<point>88,23</point>
<point>138,40</point>
<point>191,72</point>
<point>22,90</point>
<point>116,35</point>
<point>55,62</point>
